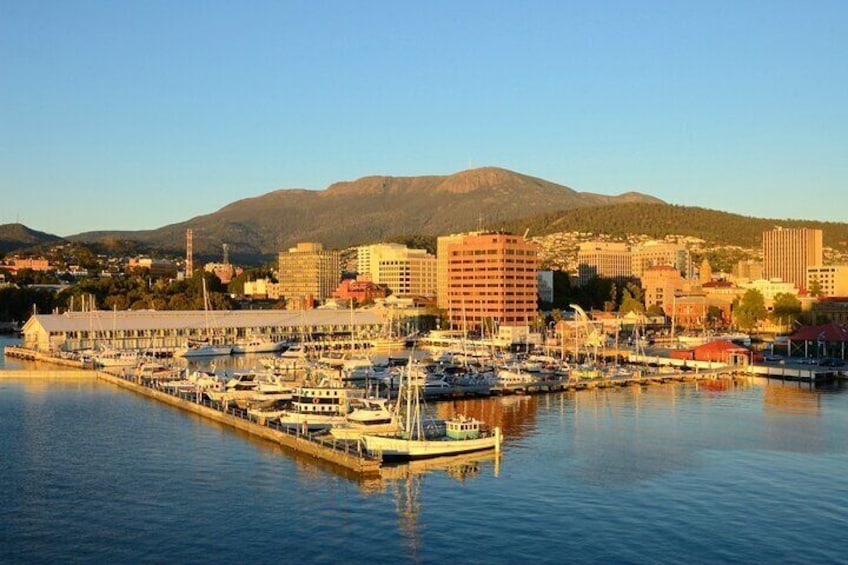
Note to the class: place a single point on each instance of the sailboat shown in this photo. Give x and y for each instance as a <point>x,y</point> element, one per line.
<point>204,347</point>
<point>461,434</point>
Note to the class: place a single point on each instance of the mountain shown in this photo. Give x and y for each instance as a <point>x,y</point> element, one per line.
<point>659,220</point>
<point>368,210</point>
<point>14,237</point>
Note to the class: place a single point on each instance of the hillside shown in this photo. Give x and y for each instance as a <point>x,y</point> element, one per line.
<point>368,210</point>
<point>14,237</point>
<point>659,220</point>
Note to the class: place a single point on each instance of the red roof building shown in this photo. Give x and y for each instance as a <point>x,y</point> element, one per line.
<point>827,340</point>
<point>724,351</point>
<point>360,291</point>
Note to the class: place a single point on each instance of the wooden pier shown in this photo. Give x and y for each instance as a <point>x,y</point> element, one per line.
<point>343,454</point>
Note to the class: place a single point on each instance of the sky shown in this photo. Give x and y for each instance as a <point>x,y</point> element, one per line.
<point>134,115</point>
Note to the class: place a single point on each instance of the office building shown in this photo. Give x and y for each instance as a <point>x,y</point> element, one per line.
<point>788,252</point>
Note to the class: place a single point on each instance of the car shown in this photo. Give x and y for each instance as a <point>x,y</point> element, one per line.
<point>773,358</point>
<point>831,362</point>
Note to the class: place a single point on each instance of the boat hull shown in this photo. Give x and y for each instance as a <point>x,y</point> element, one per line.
<point>399,448</point>
<point>205,351</point>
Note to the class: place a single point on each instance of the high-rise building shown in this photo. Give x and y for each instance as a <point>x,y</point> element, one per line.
<point>491,277</point>
<point>308,273</point>
<point>442,244</point>
<point>656,253</point>
<point>407,272</point>
<point>602,259</point>
<point>788,252</point>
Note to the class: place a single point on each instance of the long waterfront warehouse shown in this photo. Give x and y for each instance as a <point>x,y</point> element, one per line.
<point>147,329</point>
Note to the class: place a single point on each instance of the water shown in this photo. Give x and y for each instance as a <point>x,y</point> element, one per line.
<point>750,472</point>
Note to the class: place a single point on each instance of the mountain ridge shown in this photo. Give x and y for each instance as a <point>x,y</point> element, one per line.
<point>372,208</point>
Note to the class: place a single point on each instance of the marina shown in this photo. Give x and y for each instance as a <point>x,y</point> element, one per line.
<point>635,474</point>
<point>323,406</point>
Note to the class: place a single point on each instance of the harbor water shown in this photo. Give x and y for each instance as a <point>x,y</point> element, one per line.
<point>726,472</point>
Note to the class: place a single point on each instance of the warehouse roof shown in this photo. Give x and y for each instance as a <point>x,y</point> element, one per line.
<point>172,320</point>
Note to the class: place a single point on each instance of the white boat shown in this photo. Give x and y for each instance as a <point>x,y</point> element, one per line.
<point>462,435</point>
<point>367,415</point>
<point>118,358</point>
<point>319,407</point>
<point>240,387</point>
<point>203,349</point>
<point>258,345</point>
<point>512,378</point>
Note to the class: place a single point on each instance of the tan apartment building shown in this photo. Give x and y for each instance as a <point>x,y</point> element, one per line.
<point>308,273</point>
<point>788,252</point>
<point>406,272</point>
<point>832,279</point>
<point>660,285</point>
<point>655,253</point>
<point>603,259</point>
<point>747,270</point>
<point>491,276</point>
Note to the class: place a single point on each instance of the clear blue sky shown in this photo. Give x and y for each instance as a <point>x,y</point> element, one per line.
<point>133,115</point>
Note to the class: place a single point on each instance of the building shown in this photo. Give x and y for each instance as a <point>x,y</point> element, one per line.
<point>603,259</point>
<point>771,288</point>
<point>660,284</point>
<point>545,286</point>
<point>688,311</point>
<point>148,329</point>
<point>720,351</point>
<point>155,267</point>
<point>491,277</point>
<point>788,252</point>
<point>442,244</point>
<point>831,309</point>
<point>19,264</point>
<point>406,272</point>
<point>224,271</point>
<point>308,273</point>
<point>826,340</point>
<point>655,253</point>
<point>746,271</point>
<point>832,280</point>
<point>360,291</point>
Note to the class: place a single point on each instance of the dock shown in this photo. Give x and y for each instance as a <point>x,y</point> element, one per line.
<point>343,454</point>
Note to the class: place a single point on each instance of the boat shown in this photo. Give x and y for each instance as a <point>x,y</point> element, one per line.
<point>257,345</point>
<point>200,348</point>
<point>319,407</point>
<point>205,347</point>
<point>367,415</point>
<point>118,358</point>
<point>461,434</point>
<point>241,386</point>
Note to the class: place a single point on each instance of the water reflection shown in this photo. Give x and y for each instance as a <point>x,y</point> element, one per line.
<point>405,482</point>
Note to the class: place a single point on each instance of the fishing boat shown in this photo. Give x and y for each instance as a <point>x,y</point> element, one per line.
<point>461,434</point>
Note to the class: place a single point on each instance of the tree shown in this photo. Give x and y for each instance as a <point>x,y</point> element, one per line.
<point>655,310</point>
<point>631,299</point>
<point>715,316</point>
<point>815,289</point>
<point>786,309</point>
<point>750,310</point>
